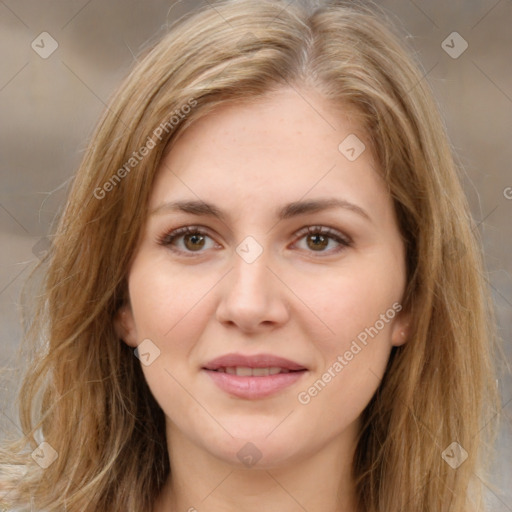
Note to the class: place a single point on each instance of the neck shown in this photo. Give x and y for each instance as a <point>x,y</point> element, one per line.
<point>199,481</point>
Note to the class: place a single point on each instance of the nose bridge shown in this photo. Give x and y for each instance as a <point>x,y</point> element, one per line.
<point>251,279</point>
<point>251,294</point>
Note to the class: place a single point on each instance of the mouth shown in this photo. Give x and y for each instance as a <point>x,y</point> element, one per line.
<point>247,371</point>
<point>253,377</point>
<point>234,363</point>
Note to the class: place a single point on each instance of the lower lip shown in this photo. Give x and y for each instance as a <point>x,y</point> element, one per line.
<point>254,387</point>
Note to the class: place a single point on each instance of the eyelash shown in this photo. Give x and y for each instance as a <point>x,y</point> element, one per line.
<point>168,238</point>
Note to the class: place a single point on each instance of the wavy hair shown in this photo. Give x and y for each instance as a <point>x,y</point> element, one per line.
<point>84,392</point>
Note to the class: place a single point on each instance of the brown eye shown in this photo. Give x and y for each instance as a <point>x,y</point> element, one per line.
<point>194,240</point>
<point>318,239</point>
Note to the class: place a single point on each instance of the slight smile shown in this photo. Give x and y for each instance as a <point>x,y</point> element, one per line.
<point>253,377</point>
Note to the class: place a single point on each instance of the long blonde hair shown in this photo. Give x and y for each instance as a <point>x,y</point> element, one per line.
<point>85,393</point>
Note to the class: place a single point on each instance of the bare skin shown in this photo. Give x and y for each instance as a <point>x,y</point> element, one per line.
<point>304,298</point>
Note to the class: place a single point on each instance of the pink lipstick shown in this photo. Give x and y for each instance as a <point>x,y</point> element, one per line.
<point>253,377</point>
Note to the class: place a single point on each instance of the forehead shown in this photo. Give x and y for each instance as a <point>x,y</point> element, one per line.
<point>286,118</point>
<point>284,146</point>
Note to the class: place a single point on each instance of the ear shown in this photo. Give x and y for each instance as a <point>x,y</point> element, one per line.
<point>401,330</point>
<point>124,325</point>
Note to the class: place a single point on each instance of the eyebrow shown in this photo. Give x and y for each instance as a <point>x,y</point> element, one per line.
<point>198,207</point>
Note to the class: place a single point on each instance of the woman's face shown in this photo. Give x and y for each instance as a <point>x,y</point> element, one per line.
<point>303,322</point>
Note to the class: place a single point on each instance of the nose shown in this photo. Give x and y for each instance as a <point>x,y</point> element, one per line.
<point>253,297</point>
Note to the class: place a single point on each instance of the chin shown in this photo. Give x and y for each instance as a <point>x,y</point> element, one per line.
<point>255,449</point>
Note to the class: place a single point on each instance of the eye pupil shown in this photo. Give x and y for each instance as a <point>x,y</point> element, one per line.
<point>194,237</point>
<point>323,243</point>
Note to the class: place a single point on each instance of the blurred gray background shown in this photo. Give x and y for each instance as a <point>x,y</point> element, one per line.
<point>62,59</point>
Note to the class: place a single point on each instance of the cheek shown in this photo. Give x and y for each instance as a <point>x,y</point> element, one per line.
<point>168,302</point>
<point>170,307</point>
<point>359,308</point>
<point>335,399</point>
<point>167,309</point>
<point>353,300</point>
<point>353,359</point>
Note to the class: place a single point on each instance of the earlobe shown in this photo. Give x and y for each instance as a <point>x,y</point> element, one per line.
<point>401,331</point>
<point>124,325</point>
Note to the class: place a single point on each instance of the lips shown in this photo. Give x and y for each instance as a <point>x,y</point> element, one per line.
<point>253,377</point>
<point>256,361</point>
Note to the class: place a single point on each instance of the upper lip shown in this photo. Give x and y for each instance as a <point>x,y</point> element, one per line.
<point>255,361</point>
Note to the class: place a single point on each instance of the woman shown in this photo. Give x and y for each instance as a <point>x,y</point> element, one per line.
<point>264,291</point>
